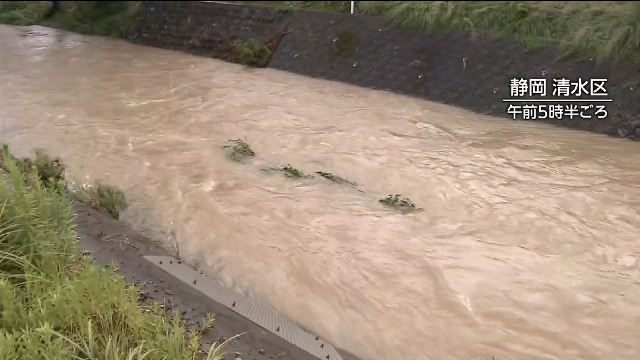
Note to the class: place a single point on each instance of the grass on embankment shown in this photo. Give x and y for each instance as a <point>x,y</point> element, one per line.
<point>585,29</point>
<point>52,298</point>
<point>106,18</point>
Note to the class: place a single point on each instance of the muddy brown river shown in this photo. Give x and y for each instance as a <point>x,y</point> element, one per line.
<point>527,247</point>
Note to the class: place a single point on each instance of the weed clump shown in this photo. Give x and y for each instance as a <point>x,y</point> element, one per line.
<point>46,167</point>
<point>584,29</point>
<point>50,171</point>
<point>335,178</point>
<point>399,202</point>
<point>252,53</point>
<point>102,196</point>
<point>291,172</point>
<point>239,150</point>
<point>53,299</point>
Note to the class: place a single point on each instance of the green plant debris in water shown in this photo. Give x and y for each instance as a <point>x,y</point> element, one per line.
<point>291,172</point>
<point>252,53</point>
<point>239,149</point>
<point>399,202</point>
<point>335,178</point>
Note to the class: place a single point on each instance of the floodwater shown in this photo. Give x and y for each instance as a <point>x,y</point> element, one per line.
<point>527,247</point>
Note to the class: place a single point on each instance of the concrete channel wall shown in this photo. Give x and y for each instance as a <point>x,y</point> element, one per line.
<point>452,68</point>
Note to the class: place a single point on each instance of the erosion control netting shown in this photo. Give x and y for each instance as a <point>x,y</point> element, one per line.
<point>455,69</point>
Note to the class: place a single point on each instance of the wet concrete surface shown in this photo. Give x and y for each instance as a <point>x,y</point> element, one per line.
<point>112,242</point>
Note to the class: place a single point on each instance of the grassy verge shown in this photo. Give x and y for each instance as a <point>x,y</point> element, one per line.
<point>106,18</point>
<point>52,303</point>
<point>584,29</point>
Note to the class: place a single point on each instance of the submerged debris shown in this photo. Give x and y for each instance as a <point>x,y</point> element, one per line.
<point>291,172</point>
<point>399,202</point>
<point>239,150</point>
<point>335,178</point>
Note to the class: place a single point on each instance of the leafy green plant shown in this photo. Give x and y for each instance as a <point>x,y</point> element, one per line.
<point>252,53</point>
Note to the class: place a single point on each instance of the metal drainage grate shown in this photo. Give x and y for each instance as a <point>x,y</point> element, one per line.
<point>247,308</point>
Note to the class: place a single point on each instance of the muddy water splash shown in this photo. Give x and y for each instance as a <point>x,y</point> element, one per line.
<point>527,248</point>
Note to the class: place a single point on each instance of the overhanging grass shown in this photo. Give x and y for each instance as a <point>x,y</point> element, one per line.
<point>106,18</point>
<point>332,6</point>
<point>591,29</point>
<point>52,299</point>
<point>52,171</point>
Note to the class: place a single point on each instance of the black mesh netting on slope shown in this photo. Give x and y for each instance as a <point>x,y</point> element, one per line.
<point>455,69</point>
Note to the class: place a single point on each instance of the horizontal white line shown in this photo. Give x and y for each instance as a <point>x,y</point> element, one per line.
<point>558,100</point>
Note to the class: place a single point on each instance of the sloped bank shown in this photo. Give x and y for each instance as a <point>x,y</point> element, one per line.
<point>207,29</point>
<point>367,51</point>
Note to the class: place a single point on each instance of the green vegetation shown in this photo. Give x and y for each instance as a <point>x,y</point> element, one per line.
<point>106,18</point>
<point>332,6</point>
<point>585,29</point>
<point>400,203</point>
<point>51,171</point>
<point>102,196</point>
<point>252,53</point>
<point>238,150</point>
<point>335,178</point>
<point>52,299</point>
<point>291,172</point>
<point>47,167</point>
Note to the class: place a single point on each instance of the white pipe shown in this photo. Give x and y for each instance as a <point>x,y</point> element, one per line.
<point>353,7</point>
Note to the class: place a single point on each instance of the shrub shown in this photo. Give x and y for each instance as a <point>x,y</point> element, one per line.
<point>252,53</point>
